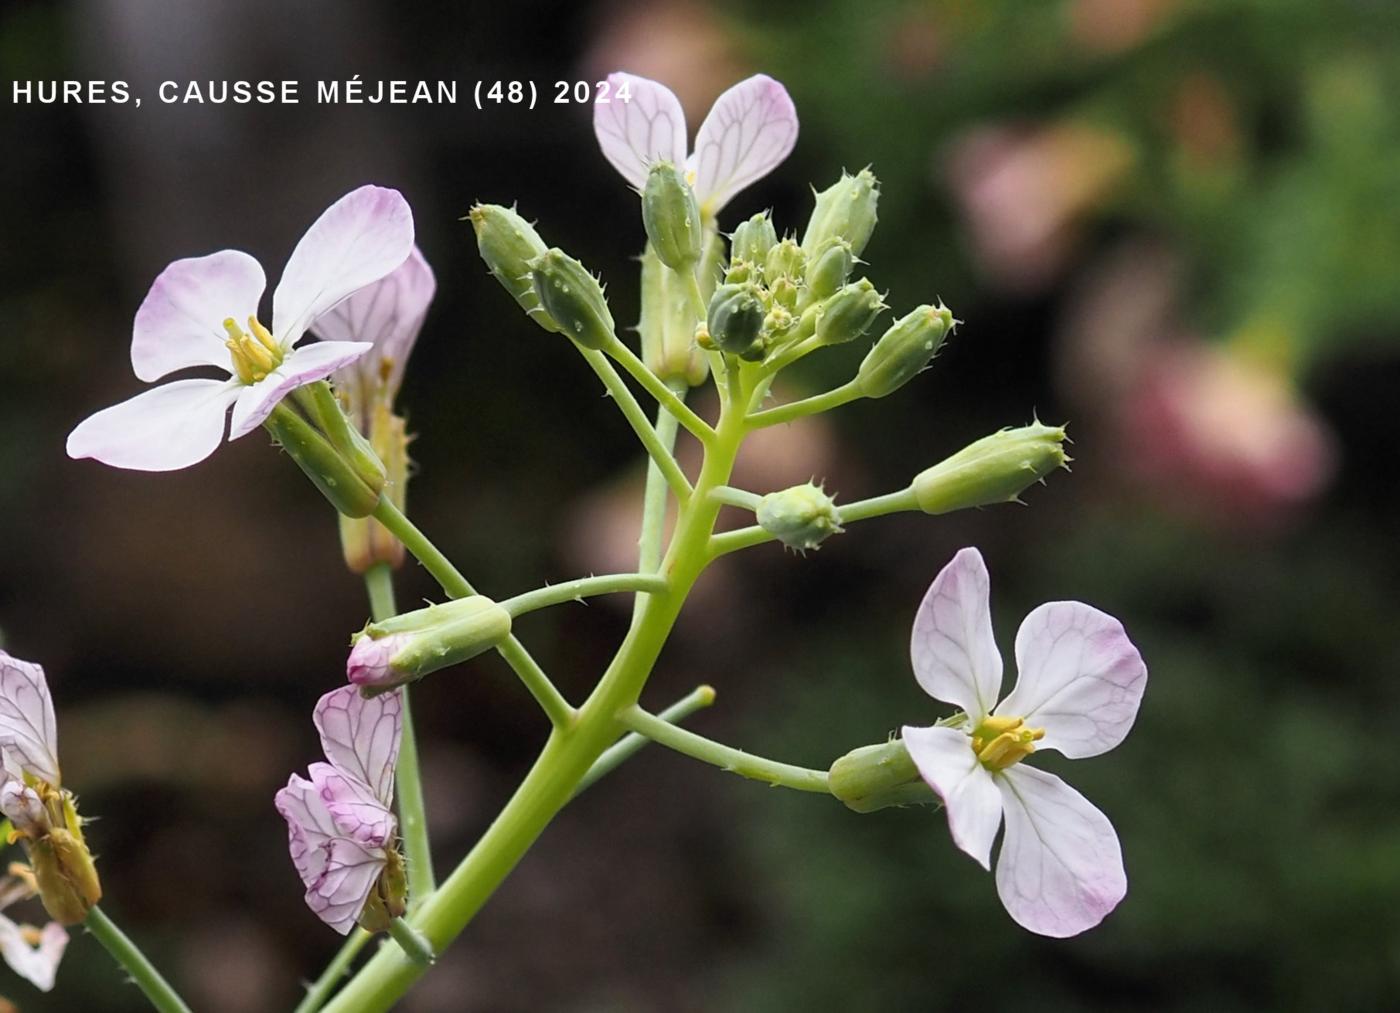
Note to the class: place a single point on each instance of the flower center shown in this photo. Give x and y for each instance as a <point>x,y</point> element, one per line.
<point>1000,741</point>
<point>255,352</point>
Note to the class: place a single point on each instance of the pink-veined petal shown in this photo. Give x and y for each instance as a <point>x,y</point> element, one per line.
<point>354,808</point>
<point>24,809</point>
<point>747,134</point>
<point>338,897</point>
<point>955,658</point>
<point>649,127</point>
<point>309,827</point>
<point>166,428</point>
<point>946,761</point>
<point>388,314</point>
<point>303,365</point>
<point>181,320</point>
<point>28,732</point>
<point>1079,677</point>
<point>1060,870</point>
<point>357,240</point>
<point>361,736</point>
<point>36,964</point>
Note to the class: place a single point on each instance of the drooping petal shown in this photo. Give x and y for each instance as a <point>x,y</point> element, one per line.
<point>1060,870</point>
<point>356,812</point>
<point>181,320</point>
<point>388,314</point>
<point>24,809</point>
<point>361,736</point>
<point>357,240</point>
<point>28,732</point>
<point>37,964</point>
<point>165,428</point>
<point>747,134</point>
<point>946,761</point>
<point>1079,677</point>
<point>955,658</point>
<point>309,827</point>
<point>649,127</point>
<point>303,365</point>
<point>338,898</point>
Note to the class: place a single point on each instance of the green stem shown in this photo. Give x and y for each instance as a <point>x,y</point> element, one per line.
<point>556,708</point>
<point>736,761</point>
<point>411,941</point>
<point>834,398</point>
<point>339,966</point>
<point>134,962</point>
<point>660,454</point>
<point>631,743</point>
<point>663,394</point>
<point>413,816</point>
<point>741,498</point>
<point>875,506</point>
<point>654,497</point>
<point>583,587</point>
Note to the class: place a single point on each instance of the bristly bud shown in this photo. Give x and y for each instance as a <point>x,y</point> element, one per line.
<point>736,320</point>
<point>874,777</point>
<point>829,272</point>
<point>508,243</point>
<point>410,646</point>
<point>389,898</point>
<point>573,298</point>
<point>338,479</point>
<point>904,350</point>
<point>849,313</point>
<point>995,469</point>
<point>845,211</point>
<point>65,875</point>
<point>801,517</point>
<point>753,239</point>
<point>671,217</point>
<point>785,260</point>
<point>363,540</point>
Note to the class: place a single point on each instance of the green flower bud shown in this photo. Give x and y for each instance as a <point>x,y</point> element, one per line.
<point>508,243</point>
<point>572,297</point>
<point>736,320</point>
<point>829,271</point>
<point>995,469</point>
<point>667,324</point>
<point>874,777</point>
<point>801,517</point>
<point>786,260</point>
<point>753,239</point>
<point>904,350</point>
<point>845,211</point>
<point>337,478</point>
<point>785,292</point>
<point>849,313</point>
<point>66,877</point>
<point>410,646</point>
<point>389,898</point>
<point>740,271</point>
<point>363,540</point>
<point>671,217</point>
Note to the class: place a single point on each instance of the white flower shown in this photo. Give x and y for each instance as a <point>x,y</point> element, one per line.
<point>750,129</point>
<point>32,953</point>
<point>1079,684</point>
<point>195,314</point>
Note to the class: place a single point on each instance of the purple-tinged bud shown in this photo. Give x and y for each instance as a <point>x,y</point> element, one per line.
<point>409,646</point>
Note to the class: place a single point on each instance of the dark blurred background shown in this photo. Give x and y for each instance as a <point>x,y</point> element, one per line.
<point>1173,223</point>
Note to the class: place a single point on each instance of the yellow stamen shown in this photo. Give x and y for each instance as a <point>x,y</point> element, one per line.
<point>254,356</point>
<point>265,337</point>
<point>1000,742</point>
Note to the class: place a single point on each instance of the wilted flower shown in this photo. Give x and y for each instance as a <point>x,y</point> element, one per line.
<point>1080,680</point>
<point>32,953</point>
<point>341,830</point>
<point>195,315</point>
<point>750,129</point>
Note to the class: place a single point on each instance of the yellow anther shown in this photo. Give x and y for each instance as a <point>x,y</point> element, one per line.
<point>255,355</point>
<point>1000,742</point>
<point>265,337</point>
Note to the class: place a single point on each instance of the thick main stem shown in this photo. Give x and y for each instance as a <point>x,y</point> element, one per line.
<point>134,962</point>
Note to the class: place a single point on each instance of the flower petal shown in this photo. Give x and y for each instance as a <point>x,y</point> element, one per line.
<point>302,366</point>
<point>181,320</point>
<point>356,812</point>
<point>387,313</point>
<point>38,964</point>
<point>1079,677</point>
<point>165,428</point>
<point>1060,870</point>
<point>648,127</point>
<point>955,658</point>
<point>22,806</point>
<point>28,732</point>
<point>750,129</point>
<point>309,827</point>
<point>361,736</point>
<point>946,761</point>
<point>338,898</point>
<point>357,240</point>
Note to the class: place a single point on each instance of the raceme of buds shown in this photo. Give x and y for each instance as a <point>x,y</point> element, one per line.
<point>995,469</point>
<point>671,217</point>
<point>904,350</point>
<point>878,776</point>
<point>508,243</point>
<point>573,298</point>
<point>753,239</point>
<point>801,517</point>
<point>736,320</point>
<point>845,211</point>
<point>849,313</point>
<point>410,646</point>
